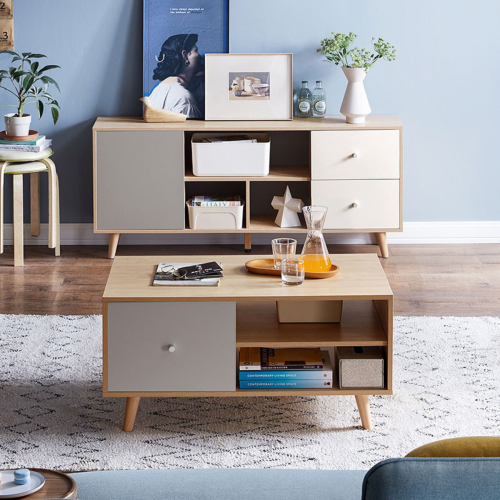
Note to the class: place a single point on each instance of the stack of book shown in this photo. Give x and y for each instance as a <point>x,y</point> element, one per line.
<point>35,146</point>
<point>293,368</point>
<point>216,201</point>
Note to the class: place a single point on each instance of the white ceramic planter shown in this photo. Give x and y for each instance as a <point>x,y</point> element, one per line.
<point>17,125</point>
<point>355,105</point>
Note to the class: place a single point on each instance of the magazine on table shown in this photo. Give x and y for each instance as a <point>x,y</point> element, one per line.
<point>187,273</point>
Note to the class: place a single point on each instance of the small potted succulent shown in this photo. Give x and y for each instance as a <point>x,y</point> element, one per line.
<point>355,64</point>
<point>30,85</point>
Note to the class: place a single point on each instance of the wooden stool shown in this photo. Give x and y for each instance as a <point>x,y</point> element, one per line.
<point>17,169</point>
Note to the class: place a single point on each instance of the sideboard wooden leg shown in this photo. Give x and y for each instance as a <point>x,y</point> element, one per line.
<point>382,243</point>
<point>248,242</point>
<point>35,203</point>
<point>130,413</point>
<point>364,411</point>
<point>114,238</point>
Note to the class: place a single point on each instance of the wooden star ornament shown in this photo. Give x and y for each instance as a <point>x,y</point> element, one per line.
<point>288,209</point>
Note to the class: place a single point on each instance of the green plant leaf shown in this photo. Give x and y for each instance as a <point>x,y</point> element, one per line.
<point>26,54</point>
<point>16,59</point>
<point>39,108</point>
<point>48,79</point>
<point>34,66</point>
<point>36,56</point>
<point>11,52</point>
<point>50,66</point>
<point>55,103</point>
<point>55,114</point>
<point>28,82</point>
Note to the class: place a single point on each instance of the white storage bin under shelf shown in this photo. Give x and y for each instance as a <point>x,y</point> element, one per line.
<point>215,217</point>
<point>231,158</point>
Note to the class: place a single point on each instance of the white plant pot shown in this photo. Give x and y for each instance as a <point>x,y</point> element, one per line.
<point>355,105</point>
<point>17,125</point>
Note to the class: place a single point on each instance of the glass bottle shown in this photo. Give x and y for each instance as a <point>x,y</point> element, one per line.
<point>315,253</point>
<point>304,108</point>
<point>319,101</point>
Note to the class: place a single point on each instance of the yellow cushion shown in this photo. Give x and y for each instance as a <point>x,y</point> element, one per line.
<point>460,447</point>
<point>26,167</point>
<point>25,155</point>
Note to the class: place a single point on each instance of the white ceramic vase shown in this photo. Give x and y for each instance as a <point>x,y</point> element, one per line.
<point>355,105</point>
<point>17,125</point>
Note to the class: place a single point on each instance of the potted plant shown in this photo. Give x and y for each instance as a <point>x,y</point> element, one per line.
<point>355,64</point>
<point>30,85</point>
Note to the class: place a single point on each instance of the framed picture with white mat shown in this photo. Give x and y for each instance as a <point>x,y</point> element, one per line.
<point>249,87</point>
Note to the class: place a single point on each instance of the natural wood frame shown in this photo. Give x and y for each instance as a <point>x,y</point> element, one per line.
<point>255,224</point>
<point>367,320</point>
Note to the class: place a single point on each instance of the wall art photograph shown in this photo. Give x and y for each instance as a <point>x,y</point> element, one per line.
<point>248,86</point>
<point>177,35</point>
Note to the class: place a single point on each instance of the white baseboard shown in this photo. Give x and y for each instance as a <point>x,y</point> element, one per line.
<point>414,233</point>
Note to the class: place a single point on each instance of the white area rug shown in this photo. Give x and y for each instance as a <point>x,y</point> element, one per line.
<point>52,414</point>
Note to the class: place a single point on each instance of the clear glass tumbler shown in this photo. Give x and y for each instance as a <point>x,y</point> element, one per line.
<point>292,272</point>
<point>283,248</point>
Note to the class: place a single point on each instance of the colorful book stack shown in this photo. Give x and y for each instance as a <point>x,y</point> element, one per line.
<point>292,368</point>
<point>35,146</point>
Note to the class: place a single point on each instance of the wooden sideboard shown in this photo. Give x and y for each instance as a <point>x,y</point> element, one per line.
<point>141,171</point>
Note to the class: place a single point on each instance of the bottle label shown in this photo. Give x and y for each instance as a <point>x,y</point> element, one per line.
<point>304,106</point>
<point>320,107</point>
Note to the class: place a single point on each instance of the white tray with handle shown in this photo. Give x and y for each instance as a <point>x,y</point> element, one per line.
<point>9,489</point>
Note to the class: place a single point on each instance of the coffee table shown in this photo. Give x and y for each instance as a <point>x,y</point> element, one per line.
<point>182,341</point>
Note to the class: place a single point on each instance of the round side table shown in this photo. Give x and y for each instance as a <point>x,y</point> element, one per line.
<point>57,485</point>
<point>17,164</point>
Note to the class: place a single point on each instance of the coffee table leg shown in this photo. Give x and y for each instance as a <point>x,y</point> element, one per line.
<point>130,413</point>
<point>364,411</point>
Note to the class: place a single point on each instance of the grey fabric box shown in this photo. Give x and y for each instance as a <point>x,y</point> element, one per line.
<point>360,367</point>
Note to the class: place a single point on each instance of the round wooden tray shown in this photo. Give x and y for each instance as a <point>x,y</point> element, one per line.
<point>33,135</point>
<point>266,266</point>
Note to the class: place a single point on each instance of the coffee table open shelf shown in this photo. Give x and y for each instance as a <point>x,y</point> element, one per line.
<point>207,326</point>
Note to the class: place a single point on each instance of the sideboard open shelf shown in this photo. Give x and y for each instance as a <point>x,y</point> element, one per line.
<point>142,172</point>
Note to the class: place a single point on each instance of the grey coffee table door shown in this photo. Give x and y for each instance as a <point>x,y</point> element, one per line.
<point>171,346</point>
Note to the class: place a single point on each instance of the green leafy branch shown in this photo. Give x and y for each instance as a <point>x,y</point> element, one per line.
<point>30,84</point>
<point>336,50</point>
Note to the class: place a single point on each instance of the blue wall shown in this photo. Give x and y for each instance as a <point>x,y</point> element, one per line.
<point>98,44</point>
<point>445,84</point>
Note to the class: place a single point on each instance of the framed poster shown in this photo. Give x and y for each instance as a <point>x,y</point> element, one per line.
<point>177,34</point>
<point>249,86</point>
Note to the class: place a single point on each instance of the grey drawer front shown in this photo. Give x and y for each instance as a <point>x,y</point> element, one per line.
<point>140,180</point>
<point>204,336</point>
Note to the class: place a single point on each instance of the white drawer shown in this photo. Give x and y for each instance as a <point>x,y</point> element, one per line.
<point>365,154</point>
<point>365,204</point>
<point>203,334</point>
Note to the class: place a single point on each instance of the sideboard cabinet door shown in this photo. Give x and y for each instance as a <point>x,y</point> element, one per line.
<point>139,181</point>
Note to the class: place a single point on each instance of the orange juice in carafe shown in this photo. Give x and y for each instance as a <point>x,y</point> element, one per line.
<point>316,263</point>
<point>315,253</point>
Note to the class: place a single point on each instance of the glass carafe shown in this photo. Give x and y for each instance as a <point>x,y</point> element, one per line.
<point>315,253</point>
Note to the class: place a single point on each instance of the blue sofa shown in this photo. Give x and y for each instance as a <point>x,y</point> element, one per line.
<point>394,479</point>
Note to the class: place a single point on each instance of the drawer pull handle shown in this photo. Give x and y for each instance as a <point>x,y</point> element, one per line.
<point>355,155</point>
<point>354,205</point>
<point>170,348</point>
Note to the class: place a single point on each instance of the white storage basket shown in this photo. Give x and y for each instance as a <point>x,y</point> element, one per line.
<point>215,217</point>
<point>231,159</point>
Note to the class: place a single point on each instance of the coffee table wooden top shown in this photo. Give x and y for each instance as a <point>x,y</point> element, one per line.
<point>361,277</point>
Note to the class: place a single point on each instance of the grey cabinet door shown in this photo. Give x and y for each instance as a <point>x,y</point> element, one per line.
<point>140,180</point>
<point>201,337</point>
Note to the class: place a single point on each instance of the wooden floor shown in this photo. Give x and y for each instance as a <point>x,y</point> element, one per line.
<point>435,280</point>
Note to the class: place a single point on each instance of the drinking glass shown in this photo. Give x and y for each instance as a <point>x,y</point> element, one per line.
<point>283,248</point>
<point>292,272</point>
